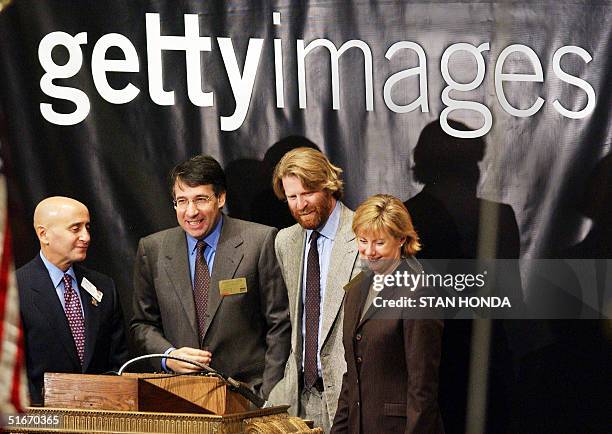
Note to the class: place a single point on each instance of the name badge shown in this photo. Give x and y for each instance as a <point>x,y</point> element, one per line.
<point>91,288</point>
<point>233,286</point>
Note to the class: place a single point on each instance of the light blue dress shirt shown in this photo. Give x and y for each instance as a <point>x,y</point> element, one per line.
<point>325,243</point>
<point>211,240</point>
<point>57,277</point>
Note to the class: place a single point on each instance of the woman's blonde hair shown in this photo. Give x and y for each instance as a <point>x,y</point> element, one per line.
<point>383,213</point>
<point>312,168</point>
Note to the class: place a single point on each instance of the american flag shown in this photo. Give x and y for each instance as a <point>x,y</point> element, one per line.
<point>13,383</point>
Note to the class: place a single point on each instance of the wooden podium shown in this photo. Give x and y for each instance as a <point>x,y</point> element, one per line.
<point>152,403</point>
<point>143,392</point>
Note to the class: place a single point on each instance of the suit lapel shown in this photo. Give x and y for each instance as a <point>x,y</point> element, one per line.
<point>385,294</point>
<point>176,265</point>
<point>92,317</point>
<point>49,305</point>
<point>361,285</point>
<point>294,266</point>
<point>228,256</point>
<point>411,265</point>
<point>368,315</point>
<point>341,266</point>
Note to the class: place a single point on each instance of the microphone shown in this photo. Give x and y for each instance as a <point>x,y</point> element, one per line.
<point>233,384</point>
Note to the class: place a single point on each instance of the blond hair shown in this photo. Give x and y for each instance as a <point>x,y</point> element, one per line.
<point>383,213</point>
<point>312,168</point>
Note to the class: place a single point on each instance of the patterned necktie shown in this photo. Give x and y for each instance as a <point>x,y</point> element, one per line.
<point>312,308</point>
<point>75,316</point>
<point>200,288</point>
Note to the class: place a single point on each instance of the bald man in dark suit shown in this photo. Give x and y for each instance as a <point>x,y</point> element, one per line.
<point>71,316</point>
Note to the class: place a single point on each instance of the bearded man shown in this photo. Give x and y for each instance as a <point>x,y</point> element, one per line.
<point>317,257</point>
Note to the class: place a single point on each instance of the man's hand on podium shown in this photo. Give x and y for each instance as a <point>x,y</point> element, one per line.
<point>200,356</point>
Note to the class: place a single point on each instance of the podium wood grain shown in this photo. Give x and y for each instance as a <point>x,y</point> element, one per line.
<point>208,394</point>
<point>101,392</point>
<point>142,392</point>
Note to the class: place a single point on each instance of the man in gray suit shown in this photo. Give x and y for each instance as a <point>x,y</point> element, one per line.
<point>210,290</point>
<point>317,257</point>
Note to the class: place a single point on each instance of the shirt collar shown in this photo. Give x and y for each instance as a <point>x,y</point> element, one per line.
<point>212,239</point>
<point>57,275</point>
<point>330,227</point>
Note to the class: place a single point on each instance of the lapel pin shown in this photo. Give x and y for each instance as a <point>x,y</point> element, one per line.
<point>94,301</point>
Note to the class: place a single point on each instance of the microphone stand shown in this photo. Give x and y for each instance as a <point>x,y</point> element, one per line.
<point>233,384</point>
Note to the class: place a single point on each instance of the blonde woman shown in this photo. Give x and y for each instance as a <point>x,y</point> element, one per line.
<point>391,381</point>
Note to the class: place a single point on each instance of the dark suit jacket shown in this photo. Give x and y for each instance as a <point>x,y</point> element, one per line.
<point>391,381</point>
<point>49,344</point>
<point>248,334</point>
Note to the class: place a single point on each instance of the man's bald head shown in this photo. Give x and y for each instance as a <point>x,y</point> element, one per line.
<point>62,227</point>
<point>53,207</point>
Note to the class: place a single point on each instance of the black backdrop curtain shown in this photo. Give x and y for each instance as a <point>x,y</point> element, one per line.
<point>545,167</point>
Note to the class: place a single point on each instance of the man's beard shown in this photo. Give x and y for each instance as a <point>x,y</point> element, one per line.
<point>313,216</point>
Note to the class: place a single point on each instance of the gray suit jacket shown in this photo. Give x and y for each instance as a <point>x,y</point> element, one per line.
<point>289,247</point>
<point>248,334</point>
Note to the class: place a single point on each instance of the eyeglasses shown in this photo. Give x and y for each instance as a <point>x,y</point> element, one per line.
<point>199,202</point>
